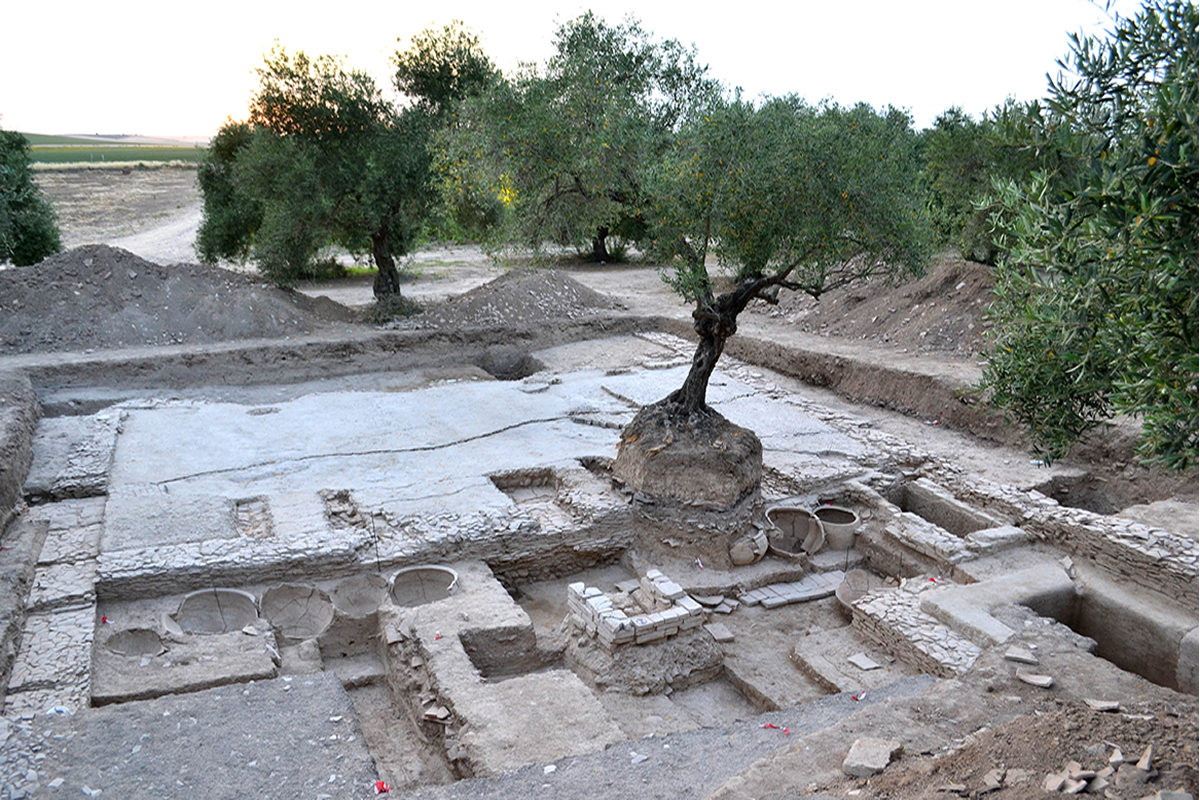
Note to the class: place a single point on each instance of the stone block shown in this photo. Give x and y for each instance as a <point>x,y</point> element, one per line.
<point>719,632</point>
<point>993,540</point>
<point>649,634</point>
<point>669,589</point>
<point>689,605</point>
<point>869,756</point>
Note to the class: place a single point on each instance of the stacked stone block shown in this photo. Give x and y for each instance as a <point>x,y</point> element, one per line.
<point>596,613</point>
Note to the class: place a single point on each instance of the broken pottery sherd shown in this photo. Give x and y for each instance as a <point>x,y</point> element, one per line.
<point>1041,681</point>
<point>1102,705</point>
<point>1022,655</point>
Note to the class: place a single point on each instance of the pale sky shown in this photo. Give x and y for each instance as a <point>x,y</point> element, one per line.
<point>170,69</point>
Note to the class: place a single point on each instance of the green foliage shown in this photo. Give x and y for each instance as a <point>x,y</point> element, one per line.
<point>442,68</point>
<point>561,156</point>
<point>231,215</point>
<point>788,194</point>
<point>28,228</point>
<point>323,160</point>
<point>1096,310</point>
<point>963,159</point>
<point>386,309</point>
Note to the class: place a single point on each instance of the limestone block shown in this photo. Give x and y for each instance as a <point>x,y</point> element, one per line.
<point>869,756</point>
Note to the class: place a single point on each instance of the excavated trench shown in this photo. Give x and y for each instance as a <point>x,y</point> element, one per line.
<point>450,642</point>
<point>565,602</point>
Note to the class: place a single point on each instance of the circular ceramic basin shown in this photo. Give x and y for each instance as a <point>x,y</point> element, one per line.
<point>217,611</point>
<point>795,532</point>
<point>359,596</point>
<point>297,612</point>
<point>136,642</point>
<point>417,586</point>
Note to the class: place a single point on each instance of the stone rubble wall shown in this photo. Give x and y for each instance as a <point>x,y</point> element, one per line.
<point>415,688</point>
<point>893,618</point>
<point>1151,558</point>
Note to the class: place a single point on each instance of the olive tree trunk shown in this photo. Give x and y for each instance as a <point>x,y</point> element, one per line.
<point>600,247</point>
<point>387,280</point>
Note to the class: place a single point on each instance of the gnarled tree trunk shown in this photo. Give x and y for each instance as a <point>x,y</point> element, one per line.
<point>600,247</point>
<point>387,280</point>
<point>713,330</point>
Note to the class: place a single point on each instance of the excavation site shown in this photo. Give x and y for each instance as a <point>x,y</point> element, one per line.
<point>254,547</point>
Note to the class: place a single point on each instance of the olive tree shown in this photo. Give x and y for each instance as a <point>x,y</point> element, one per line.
<point>752,200</point>
<point>323,159</point>
<point>565,149</point>
<point>783,195</point>
<point>1096,305</point>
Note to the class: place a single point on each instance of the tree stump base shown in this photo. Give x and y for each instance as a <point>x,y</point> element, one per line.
<point>701,459</point>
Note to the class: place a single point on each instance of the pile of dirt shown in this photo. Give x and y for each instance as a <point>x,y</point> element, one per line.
<point>942,312</point>
<point>1031,747</point>
<point>98,297</point>
<point>520,297</point>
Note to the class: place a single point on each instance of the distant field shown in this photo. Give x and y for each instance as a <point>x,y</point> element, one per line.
<point>46,149</point>
<point>93,153</point>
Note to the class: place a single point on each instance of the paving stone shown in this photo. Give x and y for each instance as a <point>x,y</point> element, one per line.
<point>863,662</point>
<point>719,632</point>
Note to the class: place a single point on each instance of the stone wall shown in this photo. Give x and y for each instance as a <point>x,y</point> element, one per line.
<point>1151,558</point>
<point>19,415</point>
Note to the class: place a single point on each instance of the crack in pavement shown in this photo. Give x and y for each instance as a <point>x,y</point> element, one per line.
<point>361,453</point>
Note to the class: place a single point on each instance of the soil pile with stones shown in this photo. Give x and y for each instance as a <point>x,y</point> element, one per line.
<point>517,298</point>
<point>1014,761</point>
<point>98,297</point>
<point>942,312</point>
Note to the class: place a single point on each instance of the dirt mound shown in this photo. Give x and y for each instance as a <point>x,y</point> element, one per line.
<point>98,297</point>
<point>941,312</point>
<point>1032,746</point>
<point>517,298</point>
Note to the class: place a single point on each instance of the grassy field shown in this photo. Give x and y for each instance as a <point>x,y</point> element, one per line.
<point>46,149</point>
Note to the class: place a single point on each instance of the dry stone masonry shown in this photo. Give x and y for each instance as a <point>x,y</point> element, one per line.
<point>642,612</point>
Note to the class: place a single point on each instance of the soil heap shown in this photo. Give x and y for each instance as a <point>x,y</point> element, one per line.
<point>941,312</point>
<point>98,297</point>
<point>517,298</point>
